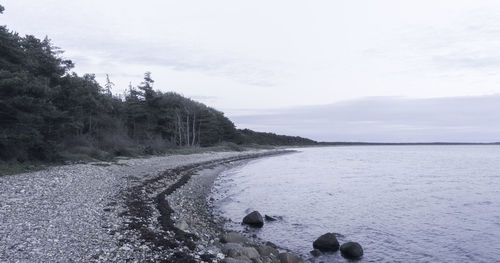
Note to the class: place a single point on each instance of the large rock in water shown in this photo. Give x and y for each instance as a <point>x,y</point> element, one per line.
<point>327,243</point>
<point>253,219</point>
<point>351,250</point>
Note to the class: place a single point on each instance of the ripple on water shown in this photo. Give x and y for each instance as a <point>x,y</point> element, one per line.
<point>401,203</point>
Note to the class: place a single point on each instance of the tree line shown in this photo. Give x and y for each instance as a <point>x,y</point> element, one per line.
<point>49,113</point>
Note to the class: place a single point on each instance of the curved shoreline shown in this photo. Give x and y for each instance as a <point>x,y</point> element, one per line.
<point>179,245</point>
<point>195,214</point>
<point>102,212</point>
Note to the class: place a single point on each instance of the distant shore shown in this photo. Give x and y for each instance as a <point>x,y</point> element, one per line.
<point>402,143</point>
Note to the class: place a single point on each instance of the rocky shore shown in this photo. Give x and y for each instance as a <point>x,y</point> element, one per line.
<point>193,213</point>
<point>137,210</point>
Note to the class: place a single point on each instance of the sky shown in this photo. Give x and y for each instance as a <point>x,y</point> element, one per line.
<point>285,59</point>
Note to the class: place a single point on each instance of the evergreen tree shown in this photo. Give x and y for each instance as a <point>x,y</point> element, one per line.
<point>48,112</point>
<point>108,86</point>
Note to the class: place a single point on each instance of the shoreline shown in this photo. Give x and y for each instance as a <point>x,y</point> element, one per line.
<point>103,213</point>
<point>170,235</point>
<point>194,213</point>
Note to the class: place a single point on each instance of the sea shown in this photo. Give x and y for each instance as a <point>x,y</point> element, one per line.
<point>401,203</point>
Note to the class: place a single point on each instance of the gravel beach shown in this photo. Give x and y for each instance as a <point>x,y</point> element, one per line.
<point>135,210</point>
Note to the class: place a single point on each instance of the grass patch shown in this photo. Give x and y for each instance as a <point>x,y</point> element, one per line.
<point>8,168</point>
<point>88,155</point>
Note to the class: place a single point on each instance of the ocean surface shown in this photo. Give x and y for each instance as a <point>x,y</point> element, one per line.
<point>401,203</point>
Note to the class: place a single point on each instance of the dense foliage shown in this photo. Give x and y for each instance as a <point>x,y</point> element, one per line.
<point>48,112</point>
<point>247,136</point>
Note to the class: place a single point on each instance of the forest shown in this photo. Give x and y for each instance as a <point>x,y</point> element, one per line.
<point>50,113</point>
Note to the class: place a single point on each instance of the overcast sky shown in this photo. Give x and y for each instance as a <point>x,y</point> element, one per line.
<point>249,58</point>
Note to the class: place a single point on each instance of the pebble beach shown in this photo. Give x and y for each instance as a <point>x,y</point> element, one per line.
<point>152,209</point>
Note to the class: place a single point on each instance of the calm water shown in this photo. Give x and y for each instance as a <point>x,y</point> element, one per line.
<point>401,203</point>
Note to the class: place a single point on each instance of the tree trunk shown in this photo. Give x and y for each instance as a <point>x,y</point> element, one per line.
<point>179,128</point>
<point>194,129</point>
<point>199,133</point>
<point>187,129</point>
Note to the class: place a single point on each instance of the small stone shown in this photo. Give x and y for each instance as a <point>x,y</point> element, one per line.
<point>270,218</point>
<point>125,247</point>
<point>182,225</point>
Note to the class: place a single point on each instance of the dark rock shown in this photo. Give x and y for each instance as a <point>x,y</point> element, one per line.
<point>351,250</point>
<point>182,257</point>
<point>315,252</point>
<point>327,243</point>
<point>254,219</point>
<point>270,218</point>
<point>289,258</point>
<point>207,257</point>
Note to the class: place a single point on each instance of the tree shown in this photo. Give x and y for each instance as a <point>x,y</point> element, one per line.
<point>47,111</point>
<point>108,86</point>
<point>147,87</point>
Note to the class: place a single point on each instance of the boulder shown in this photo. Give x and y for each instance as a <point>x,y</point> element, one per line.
<point>234,260</point>
<point>254,219</point>
<point>327,243</point>
<point>267,251</point>
<point>351,250</point>
<point>243,258</point>
<point>248,252</point>
<point>271,244</point>
<point>228,246</point>
<point>233,237</point>
<point>289,258</point>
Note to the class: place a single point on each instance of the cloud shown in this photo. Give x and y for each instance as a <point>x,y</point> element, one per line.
<point>116,51</point>
<point>387,119</point>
